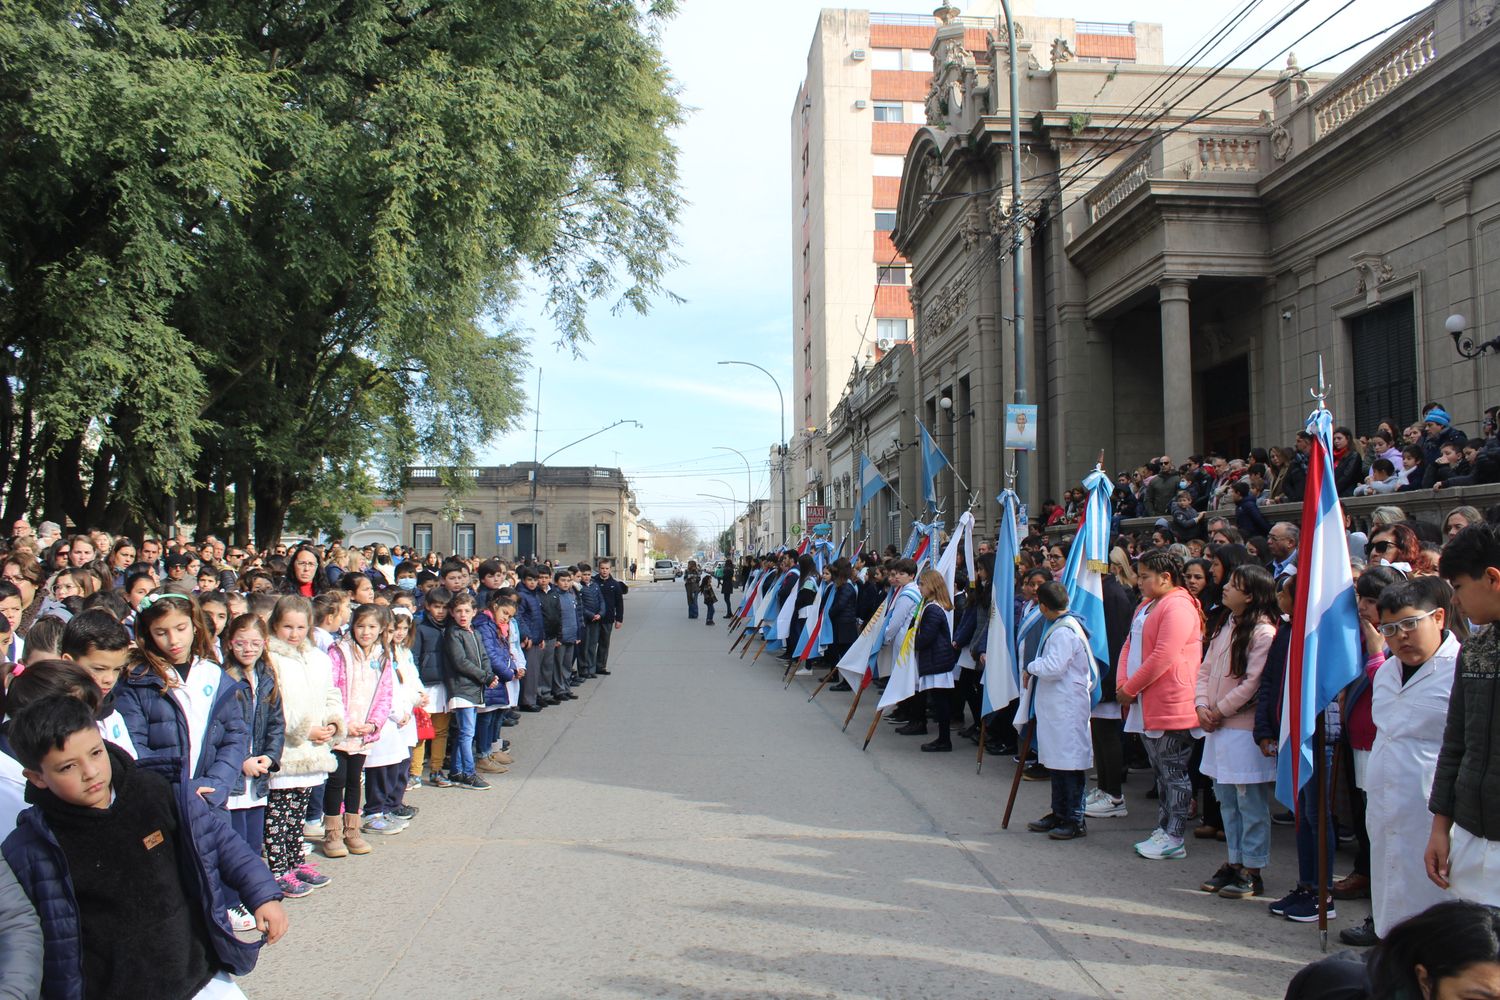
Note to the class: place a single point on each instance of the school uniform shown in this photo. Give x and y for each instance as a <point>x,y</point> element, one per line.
<point>612,592</point>
<point>1409,714</point>
<point>1062,696</point>
<point>309,699</point>
<point>367,687</point>
<point>386,762</point>
<point>427,650</point>
<point>267,730</point>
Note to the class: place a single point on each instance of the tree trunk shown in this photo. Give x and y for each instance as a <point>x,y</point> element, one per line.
<point>62,483</point>
<point>16,499</point>
<point>242,507</point>
<point>272,498</point>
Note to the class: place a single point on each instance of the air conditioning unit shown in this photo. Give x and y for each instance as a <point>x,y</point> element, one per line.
<point>858,55</point>
<point>861,104</point>
<point>885,343</point>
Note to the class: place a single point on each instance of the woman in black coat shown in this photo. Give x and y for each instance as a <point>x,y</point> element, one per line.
<point>841,612</point>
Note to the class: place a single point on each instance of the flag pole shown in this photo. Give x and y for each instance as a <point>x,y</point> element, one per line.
<point>854,707</point>
<point>870,735</point>
<point>1015,784</point>
<point>979,757</point>
<point>1320,775</point>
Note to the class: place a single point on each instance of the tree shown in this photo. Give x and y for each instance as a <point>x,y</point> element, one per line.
<point>282,242</point>
<point>678,538</point>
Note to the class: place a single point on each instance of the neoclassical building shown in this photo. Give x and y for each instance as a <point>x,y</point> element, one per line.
<point>1187,267</point>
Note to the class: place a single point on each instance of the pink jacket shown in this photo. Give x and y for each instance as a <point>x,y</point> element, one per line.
<point>367,694</point>
<point>1166,680</point>
<point>1234,697</point>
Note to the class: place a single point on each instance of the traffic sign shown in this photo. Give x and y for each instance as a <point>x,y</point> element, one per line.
<point>503,532</point>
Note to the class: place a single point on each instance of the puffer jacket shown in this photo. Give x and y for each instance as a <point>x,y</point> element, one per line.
<point>213,858</point>
<point>1167,680</point>
<point>841,614</point>
<point>308,699</point>
<point>267,728</point>
<point>1466,784</point>
<point>467,667</point>
<point>529,613</point>
<point>934,643</point>
<point>159,728</point>
<point>427,650</point>
<point>21,958</point>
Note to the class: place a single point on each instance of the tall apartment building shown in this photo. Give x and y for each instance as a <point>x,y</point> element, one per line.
<point>869,77</point>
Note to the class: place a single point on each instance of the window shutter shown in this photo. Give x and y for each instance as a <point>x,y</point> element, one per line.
<point>1384,342</point>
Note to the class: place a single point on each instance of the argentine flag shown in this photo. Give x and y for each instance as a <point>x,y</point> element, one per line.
<point>871,482</point>
<point>933,462</point>
<point>1002,674</point>
<point>1325,655</point>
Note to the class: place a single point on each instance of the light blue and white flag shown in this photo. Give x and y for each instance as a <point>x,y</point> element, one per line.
<point>933,462</point>
<point>871,482</point>
<point>1002,674</point>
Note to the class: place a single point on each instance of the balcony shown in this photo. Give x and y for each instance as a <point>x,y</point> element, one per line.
<point>1373,79</point>
<point>1213,157</point>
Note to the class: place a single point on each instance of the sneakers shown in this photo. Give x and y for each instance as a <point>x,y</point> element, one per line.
<point>501,756</point>
<point>1287,818</point>
<point>382,824</point>
<point>490,766</point>
<point>1099,804</point>
<point>1363,936</point>
<point>413,783</point>
<point>1046,824</point>
<point>1068,830</point>
<point>804,672</point>
<point>1245,885</point>
<point>1278,908</point>
<point>241,920</point>
<point>471,782</point>
<point>405,812</point>
<point>1304,909</point>
<point>1036,772</point>
<point>313,831</point>
<point>291,887</point>
<point>309,876</point>
<point>1226,874</point>
<point>1160,847</point>
<point>439,780</point>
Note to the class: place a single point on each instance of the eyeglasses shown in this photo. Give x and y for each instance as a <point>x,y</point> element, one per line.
<point>247,643</point>
<point>1404,625</point>
<point>1382,546</point>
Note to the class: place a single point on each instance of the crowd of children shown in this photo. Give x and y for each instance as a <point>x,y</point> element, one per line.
<point>189,750</point>
<point>1193,693</point>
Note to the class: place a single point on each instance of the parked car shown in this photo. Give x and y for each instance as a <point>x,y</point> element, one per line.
<point>664,569</point>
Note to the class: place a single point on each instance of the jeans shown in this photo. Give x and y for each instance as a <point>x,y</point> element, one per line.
<point>1307,829</point>
<point>710,606</point>
<point>1170,753</point>
<point>462,740</point>
<point>1067,794</point>
<point>1247,822</point>
<point>692,605</point>
<point>486,730</point>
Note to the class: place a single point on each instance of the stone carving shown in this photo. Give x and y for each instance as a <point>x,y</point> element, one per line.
<point>932,174</point>
<point>936,113</point>
<point>970,230</point>
<point>914,294</point>
<point>1281,141</point>
<point>946,14</point>
<point>1293,72</point>
<point>1061,53</point>
<point>1482,12</point>
<point>998,212</point>
<point>950,304</point>
<point>1190,167</point>
<point>1374,270</point>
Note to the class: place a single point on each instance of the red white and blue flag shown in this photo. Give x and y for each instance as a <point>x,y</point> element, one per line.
<point>1324,656</point>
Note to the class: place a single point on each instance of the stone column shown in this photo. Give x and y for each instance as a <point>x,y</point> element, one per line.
<point>1178,436</point>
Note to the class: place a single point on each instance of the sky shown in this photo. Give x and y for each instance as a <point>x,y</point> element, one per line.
<point>739,68</point>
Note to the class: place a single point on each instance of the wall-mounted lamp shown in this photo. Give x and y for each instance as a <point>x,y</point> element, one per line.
<point>1456,325</point>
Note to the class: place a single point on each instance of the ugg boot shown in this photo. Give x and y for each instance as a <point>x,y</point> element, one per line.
<point>356,843</point>
<point>333,838</point>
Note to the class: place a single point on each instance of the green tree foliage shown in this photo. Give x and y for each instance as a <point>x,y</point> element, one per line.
<point>269,251</point>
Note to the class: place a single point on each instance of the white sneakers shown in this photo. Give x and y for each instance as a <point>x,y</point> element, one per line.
<point>1160,847</point>
<point>241,920</point>
<point>1099,804</point>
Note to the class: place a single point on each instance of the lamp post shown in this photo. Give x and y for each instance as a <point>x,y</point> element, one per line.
<point>722,513</point>
<point>749,490</point>
<point>781,445</point>
<point>1457,325</point>
<point>734,503</point>
<point>1018,244</point>
<point>536,472</point>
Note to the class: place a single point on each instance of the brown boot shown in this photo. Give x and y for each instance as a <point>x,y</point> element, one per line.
<point>333,838</point>
<point>352,838</point>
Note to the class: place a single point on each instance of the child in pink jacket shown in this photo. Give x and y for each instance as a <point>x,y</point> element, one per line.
<point>1156,681</point>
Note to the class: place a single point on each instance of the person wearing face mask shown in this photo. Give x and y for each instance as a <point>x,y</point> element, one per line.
<point>406,576</point>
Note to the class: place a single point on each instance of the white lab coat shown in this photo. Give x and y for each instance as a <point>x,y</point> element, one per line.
<point>1061,676</point>
<point>1409,722</point>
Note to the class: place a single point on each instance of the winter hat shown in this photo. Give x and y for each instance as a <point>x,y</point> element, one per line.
<point>1438,415</point>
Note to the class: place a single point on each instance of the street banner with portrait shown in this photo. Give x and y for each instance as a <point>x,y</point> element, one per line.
<point>1020,427</point>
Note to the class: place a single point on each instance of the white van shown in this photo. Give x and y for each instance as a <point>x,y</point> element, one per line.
<point>664,569</point>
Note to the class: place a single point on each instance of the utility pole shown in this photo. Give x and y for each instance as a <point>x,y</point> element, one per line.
<point>1018,245</point>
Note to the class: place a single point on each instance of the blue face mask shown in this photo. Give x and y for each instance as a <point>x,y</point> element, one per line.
<point>407,583</point>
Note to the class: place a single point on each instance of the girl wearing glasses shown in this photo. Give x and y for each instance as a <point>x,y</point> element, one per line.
<point>247,662</point>
<point>1409,702</point>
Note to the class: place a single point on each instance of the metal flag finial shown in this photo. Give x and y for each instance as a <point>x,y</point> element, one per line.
<point>1010,475</point>
<point>1320,394</point>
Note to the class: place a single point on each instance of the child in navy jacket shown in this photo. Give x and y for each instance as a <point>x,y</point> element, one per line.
<point>127,867</point>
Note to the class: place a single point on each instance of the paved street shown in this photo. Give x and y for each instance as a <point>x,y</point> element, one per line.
<point>689,829</point>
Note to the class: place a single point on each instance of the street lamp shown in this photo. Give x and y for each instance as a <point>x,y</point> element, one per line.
<point>785,524</point>
<point>1456,325</point>
<point>723,529</point>
<point>749,490</point>
<point>536,472</point>
<point>732,500</point>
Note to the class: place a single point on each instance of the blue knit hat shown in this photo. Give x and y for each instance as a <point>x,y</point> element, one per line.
<point>1438,415</point>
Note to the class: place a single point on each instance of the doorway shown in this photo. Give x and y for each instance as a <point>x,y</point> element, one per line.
<point>525,540</point>
<point>1225,391</point>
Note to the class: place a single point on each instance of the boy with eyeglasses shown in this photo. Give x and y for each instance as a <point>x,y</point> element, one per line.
<point>1463,850</point>
<point>1408,703</point>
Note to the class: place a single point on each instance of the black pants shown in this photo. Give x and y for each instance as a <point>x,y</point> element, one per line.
<point>1208,813</point>
<point>833,653</point>
<point>1109,754</point>
<point>1356,811</point>
<point>942,711</point>
<point>969,692</point>
<point>341,793</point>
<point>601,645</point>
